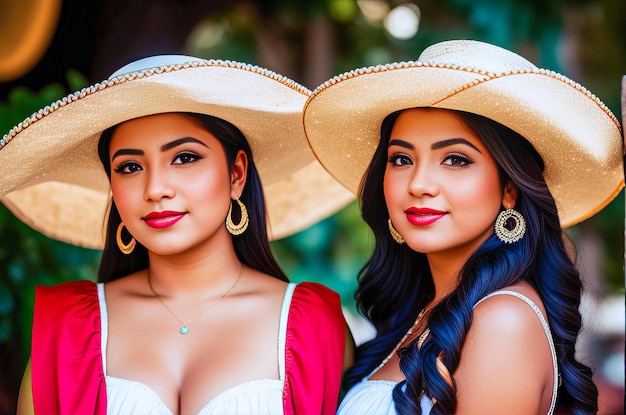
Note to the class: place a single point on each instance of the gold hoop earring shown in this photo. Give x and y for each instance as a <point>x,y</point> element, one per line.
<point>394,233</point>
<point>501,226</point>
<point>125,248</point>
<point>241,227</point>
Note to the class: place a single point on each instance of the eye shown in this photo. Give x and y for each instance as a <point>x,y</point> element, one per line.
<point>128,167</point>
<point>400,159</point>
<point>457,160</point>
<point>186,158</point>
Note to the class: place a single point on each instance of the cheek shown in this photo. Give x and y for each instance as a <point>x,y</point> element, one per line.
<point>212,185</point>
<point>389,189</point>
<point>484,194</point>
<point>123,196</point>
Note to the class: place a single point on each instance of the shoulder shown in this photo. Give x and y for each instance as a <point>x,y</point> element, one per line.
<point>507,344</point>
<point>70,300</point>
<point>509,322</point>
<point>71,287</point>
<point>317,291</point>
<point>314,351</point>
<point>316,304</point>
<point>317,299</point>
<point>66,293</point>
<point>67,309</point>
<point>514,309</point>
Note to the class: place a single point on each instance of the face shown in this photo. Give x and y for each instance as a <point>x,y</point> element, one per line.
<point>171,182</point>
<point>441,185</point>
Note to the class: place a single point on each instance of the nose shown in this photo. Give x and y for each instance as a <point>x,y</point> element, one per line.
<point>423,182</point>
<point>158,186</point>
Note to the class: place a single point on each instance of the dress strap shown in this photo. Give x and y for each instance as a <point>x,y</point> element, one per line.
<point>104,325</point>
<point>546,329</point>
<point>282,329</point>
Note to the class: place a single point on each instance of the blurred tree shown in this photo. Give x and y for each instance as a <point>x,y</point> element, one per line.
<point>309,42</point>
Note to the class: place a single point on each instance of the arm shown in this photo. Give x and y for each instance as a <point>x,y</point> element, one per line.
<point>315,351</point>
<point>66,325</point>
<point>506,362</point>
<point>25,399</point>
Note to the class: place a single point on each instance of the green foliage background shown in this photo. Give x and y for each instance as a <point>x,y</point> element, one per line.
<point>332,251</point>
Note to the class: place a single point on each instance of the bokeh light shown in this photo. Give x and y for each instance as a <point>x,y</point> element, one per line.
<point>402,22</point>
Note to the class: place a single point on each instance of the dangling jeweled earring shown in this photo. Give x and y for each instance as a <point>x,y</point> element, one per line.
<point>502,225</point>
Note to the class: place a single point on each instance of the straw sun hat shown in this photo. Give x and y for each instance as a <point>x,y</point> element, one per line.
<point>52,179</point>
<point>577,136</point>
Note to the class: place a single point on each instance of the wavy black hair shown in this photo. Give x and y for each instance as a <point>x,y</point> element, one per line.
<point>252,247</point>
<point>396,282</point>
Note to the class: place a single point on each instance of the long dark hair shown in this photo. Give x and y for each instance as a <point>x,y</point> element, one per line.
<point>396,282</point>
<point>252,247</point>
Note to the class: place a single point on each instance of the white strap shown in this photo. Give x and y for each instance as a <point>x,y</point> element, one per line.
<point>282,329</point>
<point>104,326</point>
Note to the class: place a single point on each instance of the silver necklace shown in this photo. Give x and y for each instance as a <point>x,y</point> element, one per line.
<point>184,329</point>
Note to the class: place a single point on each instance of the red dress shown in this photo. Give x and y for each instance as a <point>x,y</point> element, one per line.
<point>66,356</point>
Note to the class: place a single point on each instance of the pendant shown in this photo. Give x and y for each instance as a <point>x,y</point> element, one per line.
<point>184,330</point>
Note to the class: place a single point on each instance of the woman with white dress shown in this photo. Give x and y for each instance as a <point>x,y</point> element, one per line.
<point>169,164</point>
<point>468,163</point>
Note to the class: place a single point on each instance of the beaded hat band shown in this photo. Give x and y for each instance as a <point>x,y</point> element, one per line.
<point>53,180</point>
<point>577,136</point>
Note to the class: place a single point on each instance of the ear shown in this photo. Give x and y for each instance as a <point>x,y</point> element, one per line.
<point>509,196</point>
<point>238,174</point>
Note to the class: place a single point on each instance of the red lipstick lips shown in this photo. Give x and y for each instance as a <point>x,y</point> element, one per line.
<point>164,219</point>
<point>423,216</point>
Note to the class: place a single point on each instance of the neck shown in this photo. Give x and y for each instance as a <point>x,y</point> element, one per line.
<point>445,267</point>
<point>445,274</point>
<point>192,274</point>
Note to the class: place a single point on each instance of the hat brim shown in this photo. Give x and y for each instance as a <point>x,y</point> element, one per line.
<point>576,135</point>
<point>53,180</point>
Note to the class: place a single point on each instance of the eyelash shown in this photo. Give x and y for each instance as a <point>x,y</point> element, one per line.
<point>190,158</point>
<point>463,159</point>
<point>456,160</point>
<point>125,165</point>
<point>394,158</point>
<point>188,155</point>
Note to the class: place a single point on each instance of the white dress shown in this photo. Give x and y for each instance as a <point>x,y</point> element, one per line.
<point>258,397</point>
<point>374,397</point>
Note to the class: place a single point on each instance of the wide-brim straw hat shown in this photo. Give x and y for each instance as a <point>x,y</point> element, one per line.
<point>577,136</point>
<point>52,179</point>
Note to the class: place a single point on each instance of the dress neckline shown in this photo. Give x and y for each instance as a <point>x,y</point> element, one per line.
<point>544,324</point>
<point>282,337</point>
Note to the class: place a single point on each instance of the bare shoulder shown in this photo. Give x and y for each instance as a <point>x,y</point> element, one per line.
<point>130,284</point>
<point>262,284</point>
<point>507,323</point>
<point>506,356</point>
<point>259,293</point>
<point>511,309</point>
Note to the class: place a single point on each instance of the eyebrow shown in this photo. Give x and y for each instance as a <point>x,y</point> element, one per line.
<point>180,141</point>
<point>452,141</point>
<point>127,151</point>
<point>435,146</point>
<point>163,148</point>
